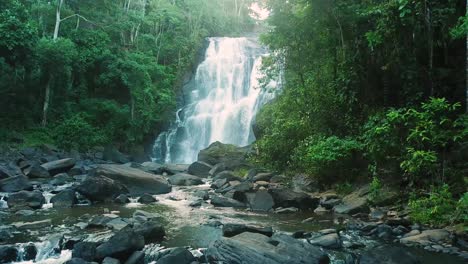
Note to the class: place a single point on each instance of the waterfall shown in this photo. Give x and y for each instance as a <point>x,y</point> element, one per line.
<point>222,103</point>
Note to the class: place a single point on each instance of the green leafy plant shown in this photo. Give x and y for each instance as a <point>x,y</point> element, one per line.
<point>375,189</point>
<point>436,208</point>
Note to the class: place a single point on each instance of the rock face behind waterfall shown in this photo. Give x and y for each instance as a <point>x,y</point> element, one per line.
<point>137,181</point>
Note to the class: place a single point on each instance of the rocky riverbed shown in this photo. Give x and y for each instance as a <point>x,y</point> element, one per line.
<point>98,207</point>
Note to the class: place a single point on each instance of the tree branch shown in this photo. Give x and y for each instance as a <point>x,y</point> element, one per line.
<point>77,15</point>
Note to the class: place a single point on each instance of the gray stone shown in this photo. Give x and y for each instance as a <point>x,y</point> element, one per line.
<point>182,179</point>
<point>230,230</point>
<point>200,168</point>
<point>137,181</point>
<point>36,171</point>
<point>177,256</point>
<point>352,204</point>
<point>26,199</point>
<point>100,188</point>
<point>137,257</point>
<point>147,199</point>
<point>15,184</point>
<point>327,241</point>
<point>59,166</point>
<point>222,201</point>
<point>260,201</point>
<point>121,245</point>
<point>64,199</point>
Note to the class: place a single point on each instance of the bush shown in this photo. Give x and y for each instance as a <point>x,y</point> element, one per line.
<point>329,159</point>
<point>77,133</point>
<point>420,140</point>
<point>437,208</point>
<point>375,189</point>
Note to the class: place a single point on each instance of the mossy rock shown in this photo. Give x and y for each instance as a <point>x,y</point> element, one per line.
<point>231,156</point>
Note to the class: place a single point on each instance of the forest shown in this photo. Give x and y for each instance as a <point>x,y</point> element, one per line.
<point>355,113</point>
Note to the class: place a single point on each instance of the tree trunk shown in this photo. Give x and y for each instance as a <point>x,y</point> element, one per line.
<point>58,19</point>
<point>46,103</point>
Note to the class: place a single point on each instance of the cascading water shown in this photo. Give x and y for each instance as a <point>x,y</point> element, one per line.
<point>222,104</point>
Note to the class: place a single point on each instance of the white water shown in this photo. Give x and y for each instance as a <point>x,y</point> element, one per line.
<point>223,104</point>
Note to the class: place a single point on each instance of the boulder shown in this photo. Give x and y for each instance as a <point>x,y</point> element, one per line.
<point>15,184</point>
<point>6,233</point>
<point>36,171</point>
<point>200,168</point>
<point>182,179</point>
<point>109,260</point>
<point>231,156</point>
<point>26,200</point>
<point>112,154</point>
<point>121,245</point>
<point>117,224</point>
<point>101,188</point>
<point>260,201</point>
<point>153,167</point>
<point>152,231</point>
<point>61,179</point>
<point>427,237</point>
<point>351,204</point>
<point>290,198</point>
<point>5,172</point>
<point>59,166</point>
<point>147,199</point>
<point>177,256</point>
<point>304,183</point>
<point>332,241</point>
<point>227,175</point>
<point>137,257</point>
<point>8,254</point>
<point>172,169</point>
<point>217,169</point>
<point>137,181</point>
<point>85,251</point>
<point>64,199</point>
<point>29,252</point>
<point>265,176</point>
<point>145,216</point>
<point>221,201</point>
<point>202,194</point>
<point>230,230</point>
<point>256,248</point>
<point>122,199</point>
<point>79,261</point>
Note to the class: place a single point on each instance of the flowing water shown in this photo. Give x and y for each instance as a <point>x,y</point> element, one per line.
<point>222,103</point>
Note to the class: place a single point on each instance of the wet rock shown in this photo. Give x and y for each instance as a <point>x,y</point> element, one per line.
<point>290,198</point>
<point>25,200</point>
<point>29,252</point>
<point>230,230</point>
<point>85,251</point>
<point>218,183</point>
<point>182,179</point>
<point>61,179</point>
<point>352,204</point>
<point>226,175</point>
<point>388,255</point>
<point>122,199</point>
<point>101,188</point>
<point>6,233</point>
<point>217,169</point>
<point>145,216</point>
<point>153,167</point>
<point>109,260</point>
<point>222,201</point>
<point>172,169</point>
<point>152,231</point>
<point>5,172</point>
<point>329,204</point>
<point>33,225</point>
<point>332,241</point>
<point>137,181</point>
<point>112,154</point>
<point>121,245</point>
<point>36,171</point>
<point>260,201</point>
<point>255,248</point>
<point>426,237</point>
<point>377,214</point>
<point>177,256</point>
<point>147,199</point>
<point>64,199</point>
<point>266,176</point>
<point>100,221</point>
<point>304,183</point>
<point>8,254</point>
<point>200,168</point>
<point>59,166</point>
<point>196,203</point>
<point>400,230</point>
<point>288,210</point>
<point>137,257</point>
<point>202,194</point>
<point>78,169</point>
<point>117,224</point>
<point>15,184</point>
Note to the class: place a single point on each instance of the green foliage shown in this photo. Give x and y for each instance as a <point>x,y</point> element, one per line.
<point>437,208</point>
<point>328,159</point>
<point>375,189</point>
<point>344,188</point>
<point>420,139</point>
<point>78,134</point>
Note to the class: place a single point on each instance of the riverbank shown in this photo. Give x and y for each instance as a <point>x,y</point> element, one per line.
<point>62,207</point>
